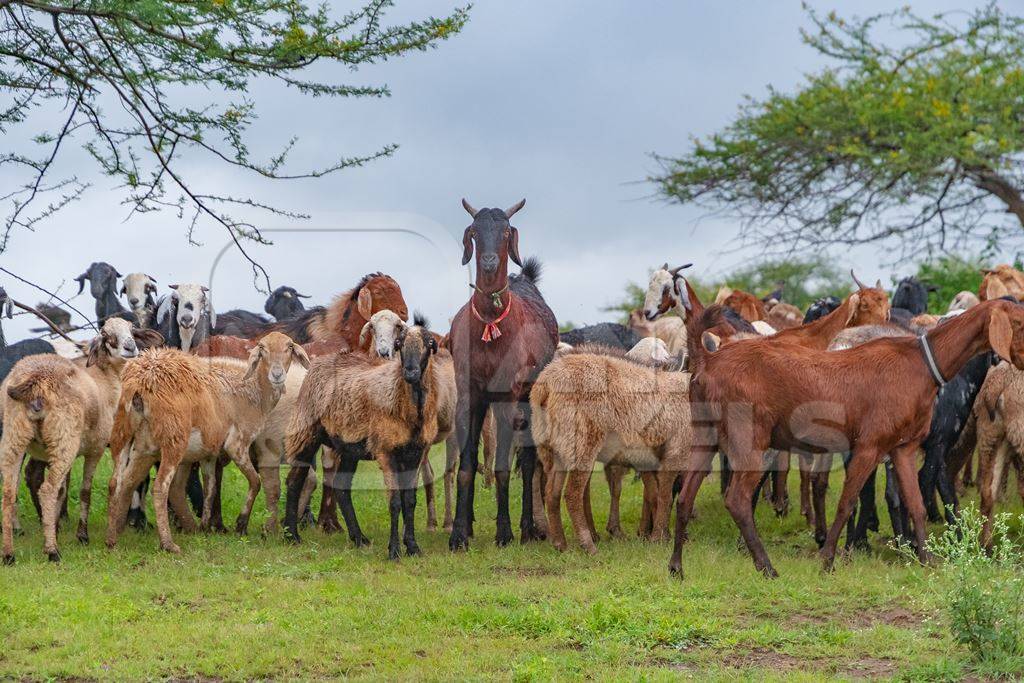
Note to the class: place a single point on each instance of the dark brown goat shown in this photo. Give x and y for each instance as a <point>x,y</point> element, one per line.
<point>500,340</point>
<point>873,399</point>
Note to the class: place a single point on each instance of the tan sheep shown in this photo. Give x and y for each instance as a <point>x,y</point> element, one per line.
<point>392,410</point>
<point>56,409</point>
<point>999,417</point>
<point>180,409</point>
<point>594,407</point>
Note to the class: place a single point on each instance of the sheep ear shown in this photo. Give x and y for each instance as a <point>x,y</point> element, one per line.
<point>710,341</point>
<point>854,301</point>
<point>364,303</point>
<point>92,354</point>
<point>513,246</point>
<point>1000,333</point>
<point>147,339</point>
<point>301,355</point>
<point>254,361</point>
<point>467,246</point>
<point>364,335</point>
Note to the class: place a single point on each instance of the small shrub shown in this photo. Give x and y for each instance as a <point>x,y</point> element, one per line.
<point>983,592</point>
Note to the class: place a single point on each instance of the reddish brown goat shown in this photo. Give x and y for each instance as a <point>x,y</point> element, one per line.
<point>747,305</point>
<point>343,320</point>
<point>874,399</point>
<point>1003,280</point>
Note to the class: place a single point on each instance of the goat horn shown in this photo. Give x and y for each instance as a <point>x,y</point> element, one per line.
<point>469,208</point>
<point>858,282</point>
<point>675,271</point>
<point>173,286</point>
<point>878,283</point>
<point>152,278</point>
<point>510,211</point>
<point>302,296</point>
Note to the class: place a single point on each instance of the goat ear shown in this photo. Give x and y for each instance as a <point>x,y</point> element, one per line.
<point>254,360</point>
<point>1000,333</point>
<point>147,339</point>
<point>513,246</point>
<point>996,289</point>
<point>467,246</point>
<point>364,335</point>
<point>81,281</point>
<point>300,355</point>
<point>364,303</point>
<point>854,301</point>
<point>710,341</point>
<point>724,292</point>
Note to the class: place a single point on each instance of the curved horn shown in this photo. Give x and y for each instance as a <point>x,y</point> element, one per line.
<point>151,278</point>
<point>469,208</point>
<point>510,211</point>
<point>302,296</point>
<point>173,286</point>
<point>860,284</point>
<point>675,271</point>
<point>81,281</point>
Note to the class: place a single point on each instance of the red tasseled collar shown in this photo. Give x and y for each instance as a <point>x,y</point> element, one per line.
<point>491,331</point>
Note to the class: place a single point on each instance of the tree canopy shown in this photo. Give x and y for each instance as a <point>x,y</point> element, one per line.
<point>914,137</point>
<point>116,73</point>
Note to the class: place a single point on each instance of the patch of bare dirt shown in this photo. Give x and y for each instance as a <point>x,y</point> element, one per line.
<point>869,669</point>
<point>766,659</point>
<point>900,617</point>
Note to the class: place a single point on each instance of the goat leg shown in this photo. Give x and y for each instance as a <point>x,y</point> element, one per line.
<point>346,462</point>
<point>864,461</point>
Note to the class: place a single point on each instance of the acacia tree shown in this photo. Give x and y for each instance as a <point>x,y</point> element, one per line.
<point>916,139</point>
<point>118,73</point>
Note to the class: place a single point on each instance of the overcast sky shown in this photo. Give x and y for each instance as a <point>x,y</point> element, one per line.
<point>560,103</point>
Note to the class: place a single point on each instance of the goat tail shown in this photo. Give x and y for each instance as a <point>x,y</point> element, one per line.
<point>531,269</point>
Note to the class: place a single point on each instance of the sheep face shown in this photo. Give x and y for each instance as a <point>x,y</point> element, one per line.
<point>191,301</point>
<point>273,356</point>
<point>102,278</point>
<point>138,289</point>
<point>284,303</point>
<point>415,346</point>
<point>115,342</point>
<point>962,301</point>
<point>664,291</point>
<point>384,327</point>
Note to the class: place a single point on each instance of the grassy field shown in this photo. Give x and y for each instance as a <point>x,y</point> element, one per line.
<point>243,608</point>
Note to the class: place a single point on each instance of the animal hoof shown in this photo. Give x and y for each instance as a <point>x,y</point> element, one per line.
<point>242,524</point>
<point>83,539</point>
<point>413,550</point>
<point>503,537</point>
<point>431,526</point>
<point>171,548</point>
<point>769,572</point>
<point>360,541</point>
<point>393,554</point>
<point>590,549</point>
<point>675,568</point>
<point>292,536</point>
<point>54,556</point>
<point>458,541</point>
<point>820,540</point>
<point>531,533</point>
<point>8,560</point>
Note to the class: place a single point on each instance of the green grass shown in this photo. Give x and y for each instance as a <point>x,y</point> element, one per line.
<point>256,607</point>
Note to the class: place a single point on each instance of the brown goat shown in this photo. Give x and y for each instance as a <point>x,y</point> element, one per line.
<point>1003,280</point>
<point>57,409</point>
<point>747,305</point>
<point>348,313</point>
<point>873,399</point>
<point>180,409</point>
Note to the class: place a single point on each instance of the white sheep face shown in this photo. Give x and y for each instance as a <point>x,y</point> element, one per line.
<point>385,328</point>
<point>192,301</point>
<point>118,340</point>
<point>137,289</point>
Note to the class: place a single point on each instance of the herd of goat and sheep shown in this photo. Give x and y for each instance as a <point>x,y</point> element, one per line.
<point>169,384</point>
